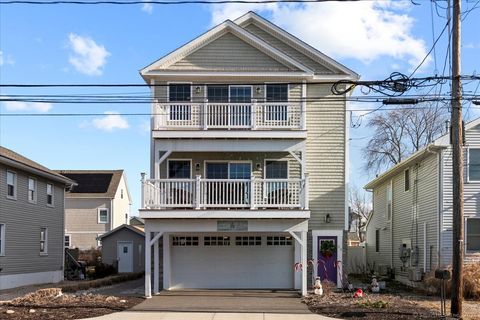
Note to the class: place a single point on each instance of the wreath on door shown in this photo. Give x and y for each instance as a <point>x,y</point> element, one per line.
<point>327,249</point>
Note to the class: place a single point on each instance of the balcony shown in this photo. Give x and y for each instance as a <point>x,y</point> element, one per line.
<point>254,194</point>
<point>229,116</point>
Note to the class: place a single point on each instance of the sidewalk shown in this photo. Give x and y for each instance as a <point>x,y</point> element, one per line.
<point>128,315</point>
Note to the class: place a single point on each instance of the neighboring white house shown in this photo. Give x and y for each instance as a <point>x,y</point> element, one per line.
<point>249,158</point>
<point>99,203</point>
<point>410,230</point>
<point>31,221</point>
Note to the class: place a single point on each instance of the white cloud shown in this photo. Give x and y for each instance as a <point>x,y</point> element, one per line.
<point>4,59</point>
<point>111,122</point>
<point>87,57</point>
<point>363,30</point>
<point>27,106</point>
<point>147,7</point>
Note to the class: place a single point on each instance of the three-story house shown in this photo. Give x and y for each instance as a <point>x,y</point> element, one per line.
<point>248,162</point>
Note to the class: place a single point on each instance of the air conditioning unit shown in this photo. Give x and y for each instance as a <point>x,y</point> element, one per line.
<point>383,269</point>
<point>414,274</point>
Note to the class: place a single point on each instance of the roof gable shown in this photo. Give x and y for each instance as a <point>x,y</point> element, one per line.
<point>217,32</point>
<point>292,41</point>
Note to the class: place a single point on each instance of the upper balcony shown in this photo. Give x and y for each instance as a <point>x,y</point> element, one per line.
<point>251,117</point>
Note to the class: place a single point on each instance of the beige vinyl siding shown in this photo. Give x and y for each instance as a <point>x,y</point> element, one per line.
<point>253,157</point>
<point>23,221</point>
<point>326,159</point>
<point>471,197</point>
<point>121,207</point>
<point>379,222</point>
<point>82,215</point>
<point>285,48</point>
<point>109,248</point>
<point>83,241</point>
<point>228,53</point>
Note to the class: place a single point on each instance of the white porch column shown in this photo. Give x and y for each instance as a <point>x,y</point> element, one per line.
<point>304,263</point>
<point>156,272</point>
<point>148,264</point>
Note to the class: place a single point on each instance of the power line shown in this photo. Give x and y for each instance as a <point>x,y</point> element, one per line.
<point>166,2</point>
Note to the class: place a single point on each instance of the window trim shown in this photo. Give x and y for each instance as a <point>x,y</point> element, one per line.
<point>176,159</point>
<point>405,180</point>
<point>69,240</point>
<point>98,215</point>
<point>35,190</point>
<point>466,235</point>
<point>265,169</point>
<point>389,188</point>
<point>45,245</point>
<point>3,228</point>
<point>468,166</point>
<point>228,167</point>
<point>53,194</point>
<point>15,184</point>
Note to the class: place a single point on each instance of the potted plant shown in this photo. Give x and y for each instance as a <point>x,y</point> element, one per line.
<point>327,249</point>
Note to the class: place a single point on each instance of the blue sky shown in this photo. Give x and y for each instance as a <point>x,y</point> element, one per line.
<point>109,44</point>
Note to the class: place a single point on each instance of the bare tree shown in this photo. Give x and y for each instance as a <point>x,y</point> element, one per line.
<point>360,209</point>
<point>399,133</point>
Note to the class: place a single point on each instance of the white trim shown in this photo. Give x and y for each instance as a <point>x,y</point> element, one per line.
<point>52,205</point>
<point>329,233</point>
<point>35,190</point>
<point>8,281</point>
<point>389,198</point>
<point>259,134</point>
<point>214,34</point>
<point>230,74</point>
<point>468,165</point>
<point>3,228</point>
<point>69,240</point>
<point>177,159</point>
<point>14,197</point>
<point>99,240</point>
<point>45,241</point>
<point>224,214</point>
<point>98,215</point>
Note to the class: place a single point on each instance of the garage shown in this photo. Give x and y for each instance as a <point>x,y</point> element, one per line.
<point>232,261</point>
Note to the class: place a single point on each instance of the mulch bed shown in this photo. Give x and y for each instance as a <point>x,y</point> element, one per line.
<point>53,304</point>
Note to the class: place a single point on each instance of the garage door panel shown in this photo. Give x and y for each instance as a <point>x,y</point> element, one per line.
<point>232,267</point>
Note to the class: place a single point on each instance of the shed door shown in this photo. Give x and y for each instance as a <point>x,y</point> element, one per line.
<point>125,256</point>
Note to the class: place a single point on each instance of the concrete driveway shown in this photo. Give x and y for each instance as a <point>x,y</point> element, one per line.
<point>129,315</point>
<point>226,301</point>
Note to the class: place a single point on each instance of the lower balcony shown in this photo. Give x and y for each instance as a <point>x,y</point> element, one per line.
<point>225,194</point>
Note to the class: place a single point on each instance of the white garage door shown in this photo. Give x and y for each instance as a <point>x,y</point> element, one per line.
<point>232,262</point>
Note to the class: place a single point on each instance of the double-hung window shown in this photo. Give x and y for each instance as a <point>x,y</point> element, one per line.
<point>50,194</point>
<point>179,96</point>
<point>68,239</point>
<point>473,164</point>
<point>276,109</point>
<point>473,234</point>
<point>11,185</point>
<point>32,190</point>
<point>2,239</point>
<point>103,215</point>
<point>43,241</point>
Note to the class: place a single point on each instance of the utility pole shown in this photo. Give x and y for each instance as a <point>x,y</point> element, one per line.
<point>457,150</point>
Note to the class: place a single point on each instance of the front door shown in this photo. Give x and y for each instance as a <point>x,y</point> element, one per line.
<point>327,259</point>
<point>125,256</point>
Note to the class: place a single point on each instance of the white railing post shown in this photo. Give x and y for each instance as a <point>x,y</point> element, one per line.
<point>252,193</point>
<point>197,192</point>
<point>305,192</point>
<point>205,115</point>
<point>253,116</point>
<point>303,108</point>
<point>143,190</point>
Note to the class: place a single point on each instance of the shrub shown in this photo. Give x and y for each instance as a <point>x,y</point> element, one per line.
<point>104,270</point>
<point>92,257</point>
<point>471,282</point>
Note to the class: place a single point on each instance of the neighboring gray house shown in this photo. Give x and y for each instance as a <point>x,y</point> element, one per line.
<point>31,221</point>
<point>249,171</point>
<point>99,203</point>
<point>137,221</point>
<point>124,248</point>
<point>410,230</point>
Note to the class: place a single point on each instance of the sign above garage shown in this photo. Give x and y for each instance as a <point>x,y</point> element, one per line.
<point>232,225</point>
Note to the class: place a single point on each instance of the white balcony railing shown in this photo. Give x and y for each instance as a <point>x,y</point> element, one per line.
<point>225,193</point>
<point>205,115</point>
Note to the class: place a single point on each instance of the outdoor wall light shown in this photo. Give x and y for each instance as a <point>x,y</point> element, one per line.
<point>258,90</point>
<point>328,219</point>
<point>197,166</point>
<point>259,166</point>
<point>198,89</point>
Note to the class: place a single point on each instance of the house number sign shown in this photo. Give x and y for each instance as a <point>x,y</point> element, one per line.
<point>232,225</point>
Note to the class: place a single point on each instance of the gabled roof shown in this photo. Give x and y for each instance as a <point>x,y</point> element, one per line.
<point>135,229</point>
<point>16,160</point>
<point>93,183</point>
<point>303,47</point>
<point>140,220</point>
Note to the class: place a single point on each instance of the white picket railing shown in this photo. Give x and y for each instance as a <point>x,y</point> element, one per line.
<point>206,115</point>
<point>225,193</point>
